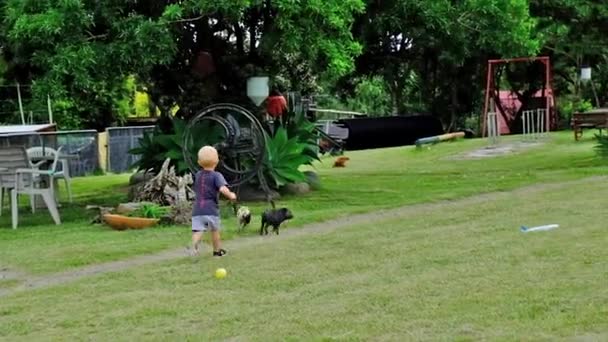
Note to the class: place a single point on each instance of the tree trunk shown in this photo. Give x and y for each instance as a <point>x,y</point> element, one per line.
<point>453,107</point>
<point>204,36</point>
<point>240,40</point>
<point>395,97</point>
<point>267,16</point>
<point>151,107</point>
<point>252,32</point>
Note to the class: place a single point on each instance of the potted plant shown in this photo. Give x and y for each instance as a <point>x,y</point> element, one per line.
<point>147,215</point>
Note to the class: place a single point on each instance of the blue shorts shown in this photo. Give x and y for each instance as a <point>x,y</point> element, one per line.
<point>203,223</point>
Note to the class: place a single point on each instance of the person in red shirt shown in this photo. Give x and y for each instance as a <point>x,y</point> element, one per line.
<point>276,106</point>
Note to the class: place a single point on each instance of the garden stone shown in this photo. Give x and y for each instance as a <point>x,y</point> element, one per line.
<point>101,211</point>
<point>134,190</point>
<point>296,188</point>
<point>140,177</point>
<point>249,193</point>
<point>126,208</point>
<point>313,180</point>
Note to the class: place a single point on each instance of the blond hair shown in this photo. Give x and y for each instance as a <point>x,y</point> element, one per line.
<point>207,157</point>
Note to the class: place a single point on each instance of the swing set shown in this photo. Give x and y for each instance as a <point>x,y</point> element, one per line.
<point>509,105</point>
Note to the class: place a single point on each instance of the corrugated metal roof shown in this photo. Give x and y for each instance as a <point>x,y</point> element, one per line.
<point>24,128</point>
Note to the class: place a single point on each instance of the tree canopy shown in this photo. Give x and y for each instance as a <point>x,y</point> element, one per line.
<point>435,51</point>
<point>80,52</point>
<point>416,56</point>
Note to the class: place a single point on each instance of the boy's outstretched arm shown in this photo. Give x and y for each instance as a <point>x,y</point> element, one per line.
<point>229,194</point>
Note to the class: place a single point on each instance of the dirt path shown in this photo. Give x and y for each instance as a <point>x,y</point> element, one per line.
<point>36,282</point>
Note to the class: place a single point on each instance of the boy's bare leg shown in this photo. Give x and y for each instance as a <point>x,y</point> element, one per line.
<point>196,242</point>
<point>215,238</point>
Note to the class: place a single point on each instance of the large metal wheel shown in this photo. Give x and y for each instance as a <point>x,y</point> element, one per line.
<point>237,135</point>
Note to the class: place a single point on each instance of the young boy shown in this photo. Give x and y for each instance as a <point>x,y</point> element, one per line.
<point>205,212</point>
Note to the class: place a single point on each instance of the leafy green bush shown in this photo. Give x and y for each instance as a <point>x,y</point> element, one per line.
<point>285,156</point>
<point>367,95</point>
<point>569,104</point>
<point>471,122</point>
<point>151,154</point>
<point>150,210</point>
<point>371,97</point>
<point>601,148</point>
<point>291,146</point>
<point>157,146</point>
<point>304,131</point>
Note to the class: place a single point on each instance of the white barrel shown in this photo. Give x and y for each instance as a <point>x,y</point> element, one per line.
<point>257,89</point>
<point>585,74</point>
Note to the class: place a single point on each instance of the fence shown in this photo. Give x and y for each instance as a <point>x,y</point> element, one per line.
<point>120,141</point>
<point>83,144</point>
<point>534,124</point>
<point>493,128</point>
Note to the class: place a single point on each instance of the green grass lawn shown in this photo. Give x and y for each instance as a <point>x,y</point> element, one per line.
<point>373,179</point>
<point>452,272</point>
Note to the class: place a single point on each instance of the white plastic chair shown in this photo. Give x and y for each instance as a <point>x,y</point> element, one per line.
<point>63,172</point>
<point>26,180</point>
<point>12,158</point>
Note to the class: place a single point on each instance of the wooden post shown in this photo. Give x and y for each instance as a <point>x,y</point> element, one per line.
<point>102,146</point>
<point>485,106</point>
<point>20,104</point>
<point>548,103</point>
<point>48,102</point>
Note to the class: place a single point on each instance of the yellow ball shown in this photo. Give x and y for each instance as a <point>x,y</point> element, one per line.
<point>220,273</point>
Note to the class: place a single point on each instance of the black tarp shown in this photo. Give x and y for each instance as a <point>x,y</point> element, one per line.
<point>368,133</point>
